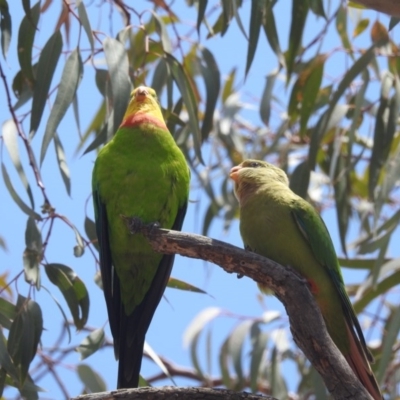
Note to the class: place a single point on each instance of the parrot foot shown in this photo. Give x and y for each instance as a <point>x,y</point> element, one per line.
<point>136,225</point>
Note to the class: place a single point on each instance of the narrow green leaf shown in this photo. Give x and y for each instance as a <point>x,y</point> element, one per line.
<point>33,253</point>
<point>236,343</point>
<point>26,36</point>
<point>67,324</point>
<point>256,18</point>
<point>393,22</point>
<point>311,90</point>
<point>227,14</point>
<point>79,249</point>
<point>92,380</point>
<point>236,4</point>
<point>86,24</point>
<point>8,312</point>
<point>22,89</point>
<point>162,31</point>
<point>385,127</point>
<point>300,179</point>
<point>228,87</point>
<point>100,139</point>
<point>258,347</point>
<point>118,66</point>
<point>90,229</point>
<point>7,181</point>
<point>5,27</point>
<point>75,108</point>
<point>25,334</point>
<point>361,26</point>
<point>6,361</point>
<point>341,185</point>
<point>374,291</point>
<point>62,163</point>
<point>102,81</point>
<point>157,360</point>
<point>26,4</point>
<point>271,33</point>
<point>202,5</point>
<point>265,104</point>
<point>73,290</point>
<point>160,76</point>
<point>212,80</point>
<point>47,64</point>
<point>95,126</point>
<point>341,27</point>
<point>70,78</point>
<point>189,99</point>
<point>326,119</point>
<point>199,322</point>
<point>223,364</point>
<point>91,343</point>
<point>392,330</point>
<point>317,7</point>
<point>10,137</point>
<point>278,385</point>
<point>181,285</point>
<point>299,16</point>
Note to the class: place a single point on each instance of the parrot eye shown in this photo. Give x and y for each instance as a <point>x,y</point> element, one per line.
<point>255,165</point>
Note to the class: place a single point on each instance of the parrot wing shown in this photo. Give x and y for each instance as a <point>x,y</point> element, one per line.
<point>311,225</point>
<point>129,331</point>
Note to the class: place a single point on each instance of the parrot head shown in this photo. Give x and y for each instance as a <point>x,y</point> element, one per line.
<point>251,174</point>
<point>143,103</point>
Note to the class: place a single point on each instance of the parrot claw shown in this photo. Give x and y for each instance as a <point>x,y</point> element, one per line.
<point>240,276</point>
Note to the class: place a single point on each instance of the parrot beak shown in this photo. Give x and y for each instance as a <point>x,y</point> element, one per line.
<point>234,174</point>
<point>141,93</point>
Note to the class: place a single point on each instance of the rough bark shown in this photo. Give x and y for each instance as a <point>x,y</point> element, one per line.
<point>391,7</point>
<point>306,323</point>
<point>168,392</point>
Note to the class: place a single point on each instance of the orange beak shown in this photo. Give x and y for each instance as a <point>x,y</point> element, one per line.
<point>141,93</point>
<point>234,174</point>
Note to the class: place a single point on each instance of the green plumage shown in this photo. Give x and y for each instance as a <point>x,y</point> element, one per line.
<point>282,226</point>
<point>140,173</point>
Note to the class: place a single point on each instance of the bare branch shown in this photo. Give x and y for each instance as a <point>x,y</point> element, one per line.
<point>390,7</point>
<point>306,323</point>
<point>169,392</point>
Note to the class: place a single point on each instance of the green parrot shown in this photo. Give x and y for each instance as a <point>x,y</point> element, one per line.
<point>140,173</point>
<point>278,224</point>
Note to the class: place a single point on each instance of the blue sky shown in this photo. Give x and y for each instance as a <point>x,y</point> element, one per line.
<point>237,298</point>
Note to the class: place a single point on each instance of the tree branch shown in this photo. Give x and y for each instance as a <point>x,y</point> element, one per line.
<point>391,7</point>
<point>306,323</point>
<point>169,392</point>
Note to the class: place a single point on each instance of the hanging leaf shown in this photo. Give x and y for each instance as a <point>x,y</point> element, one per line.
<point>91,343</point>
<point>32,253</point>
<point>209,70</point>
<point>10,137</point>
<point>26,36</point>
<point>47,64</point>
<point>5,27</point>
<point>73,290</point>
<point>70,79</point>
<point>20,203</point>
<point>118,66</point>
<point>62,163</point>
<point>24,336</point>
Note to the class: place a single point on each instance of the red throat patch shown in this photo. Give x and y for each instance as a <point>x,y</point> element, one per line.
<point>138,119</point>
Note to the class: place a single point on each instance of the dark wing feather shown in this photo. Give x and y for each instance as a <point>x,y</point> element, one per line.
<point>133,328</point>
<point>311,225</point>
<point>109,279</point>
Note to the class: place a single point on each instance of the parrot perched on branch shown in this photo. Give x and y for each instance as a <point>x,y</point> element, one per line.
<point>140,173</point>
<point>278,224</point>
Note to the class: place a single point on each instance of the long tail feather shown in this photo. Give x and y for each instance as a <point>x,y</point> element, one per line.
<point>358,362</point>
